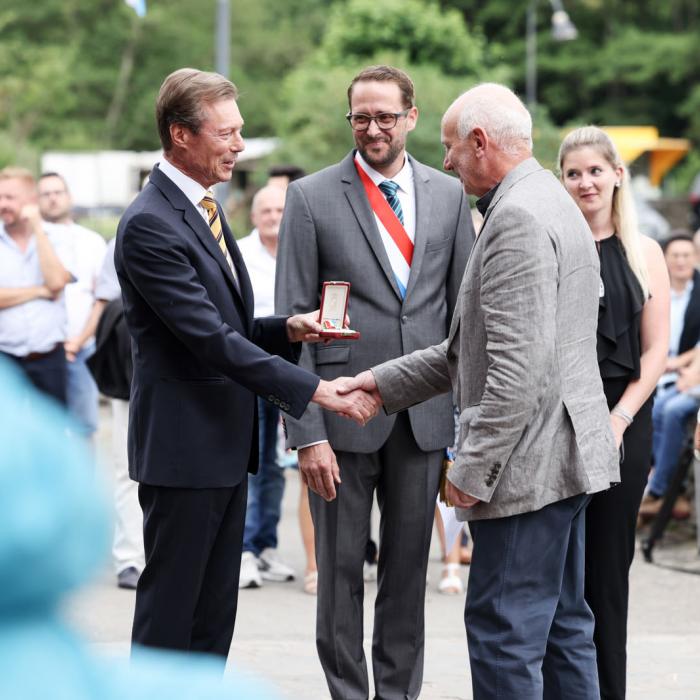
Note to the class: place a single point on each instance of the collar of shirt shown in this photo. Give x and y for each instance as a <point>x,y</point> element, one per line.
<point>482,204</point>
<point>684,294</point>
<point>404,178</point>
<point>190,188</point>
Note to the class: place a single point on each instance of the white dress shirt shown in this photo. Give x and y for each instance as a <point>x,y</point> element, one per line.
<point>84,252</point>
<point>407,197</point>
<point>107,286</point>
<point>679,305</point>
<point>261,265</point>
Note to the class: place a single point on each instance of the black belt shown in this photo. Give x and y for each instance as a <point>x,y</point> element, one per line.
<point>39,355</point>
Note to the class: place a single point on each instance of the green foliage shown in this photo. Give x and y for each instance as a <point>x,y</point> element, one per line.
<point>434,48</point>
<point>63,61</point>
<point>417,29</point>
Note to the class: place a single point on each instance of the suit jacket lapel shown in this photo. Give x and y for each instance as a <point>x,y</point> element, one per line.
<point>421,184</point>
<point>200,227</point>
<point>357,197</point>
<point>245,288</point>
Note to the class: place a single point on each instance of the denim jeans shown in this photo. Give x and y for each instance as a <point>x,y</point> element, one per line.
<point>266,488</point>
<point>81,392</point>
<point>672,410</point>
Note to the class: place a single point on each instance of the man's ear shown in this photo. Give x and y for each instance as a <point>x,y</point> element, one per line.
<point>179,135</point>
<point>480,139</point>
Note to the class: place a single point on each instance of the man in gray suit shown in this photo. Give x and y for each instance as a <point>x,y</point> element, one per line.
<point>535,434</point>
<point>400,233</point>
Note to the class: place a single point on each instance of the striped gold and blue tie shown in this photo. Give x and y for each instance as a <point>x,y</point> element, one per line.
<point>209,203</point>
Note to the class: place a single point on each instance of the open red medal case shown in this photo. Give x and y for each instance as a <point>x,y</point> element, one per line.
<point>334,306</point>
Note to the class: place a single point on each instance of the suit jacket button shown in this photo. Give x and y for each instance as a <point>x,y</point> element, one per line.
<point>404,319</point>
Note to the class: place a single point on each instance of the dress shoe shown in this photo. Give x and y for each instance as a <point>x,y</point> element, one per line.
<point>128,578</point>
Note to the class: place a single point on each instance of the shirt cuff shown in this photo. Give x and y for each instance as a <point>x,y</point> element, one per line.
<point>310,444</point>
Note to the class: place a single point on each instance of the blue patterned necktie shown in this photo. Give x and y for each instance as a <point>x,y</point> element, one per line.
<point>389,188</point>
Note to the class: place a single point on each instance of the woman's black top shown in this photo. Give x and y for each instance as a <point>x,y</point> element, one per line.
<point>619,313</point>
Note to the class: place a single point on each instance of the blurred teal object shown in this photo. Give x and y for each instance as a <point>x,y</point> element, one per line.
<point>54,534</point>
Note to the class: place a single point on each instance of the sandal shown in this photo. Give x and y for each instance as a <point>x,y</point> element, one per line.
<point>451,583</point>
<point>311,582</point>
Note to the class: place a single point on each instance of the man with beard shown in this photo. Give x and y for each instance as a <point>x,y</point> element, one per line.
<point>32,279</point>
<point>400,233</point>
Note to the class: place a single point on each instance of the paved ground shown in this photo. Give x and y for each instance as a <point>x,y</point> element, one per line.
<point>275,629</point>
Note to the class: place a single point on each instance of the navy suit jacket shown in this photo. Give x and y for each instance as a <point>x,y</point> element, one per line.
<point>199,355</point>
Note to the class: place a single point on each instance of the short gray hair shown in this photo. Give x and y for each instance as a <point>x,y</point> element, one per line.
<point>495,109</point>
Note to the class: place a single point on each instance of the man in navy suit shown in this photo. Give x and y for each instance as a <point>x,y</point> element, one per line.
<point>200,358</point>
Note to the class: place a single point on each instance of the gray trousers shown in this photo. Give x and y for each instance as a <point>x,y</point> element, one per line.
<point>406,480</point>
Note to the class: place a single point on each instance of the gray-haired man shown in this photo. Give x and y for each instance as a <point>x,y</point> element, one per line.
<point>535,435</point>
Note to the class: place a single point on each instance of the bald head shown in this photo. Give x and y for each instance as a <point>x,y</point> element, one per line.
<point>486,133</point>
<point>499,112</point>
<point>266,214</point>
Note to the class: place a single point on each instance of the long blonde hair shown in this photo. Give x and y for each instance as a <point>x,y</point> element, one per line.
<point>624,213</point>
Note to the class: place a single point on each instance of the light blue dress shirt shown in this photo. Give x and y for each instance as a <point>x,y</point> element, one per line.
<point>37,325</point>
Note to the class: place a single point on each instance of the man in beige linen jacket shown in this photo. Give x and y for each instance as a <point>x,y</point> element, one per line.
<point>535,434</point>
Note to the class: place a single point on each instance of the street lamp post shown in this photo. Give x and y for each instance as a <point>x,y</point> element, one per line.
<point>563,29</point>
<point>223,37</point>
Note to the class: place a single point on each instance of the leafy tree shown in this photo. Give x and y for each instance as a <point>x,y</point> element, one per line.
<point>434,47</point>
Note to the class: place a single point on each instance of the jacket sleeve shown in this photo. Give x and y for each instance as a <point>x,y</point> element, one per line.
<point>297,290</point>
<point>413,378</point>
<point>154,259</point>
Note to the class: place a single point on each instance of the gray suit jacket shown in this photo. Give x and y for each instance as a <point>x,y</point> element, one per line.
<point>328,232</point>
<point>521,356</point>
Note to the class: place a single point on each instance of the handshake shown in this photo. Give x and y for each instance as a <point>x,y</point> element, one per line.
<point>356,398</point>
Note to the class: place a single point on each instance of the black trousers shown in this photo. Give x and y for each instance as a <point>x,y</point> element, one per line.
<point>611,519</point>
<point>188,593</point>
<point>48,373</point>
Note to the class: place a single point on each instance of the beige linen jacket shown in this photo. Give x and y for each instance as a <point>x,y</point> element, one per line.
<point>520,357</point>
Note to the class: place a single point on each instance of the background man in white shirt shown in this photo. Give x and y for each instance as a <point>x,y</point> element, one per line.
<point>84,251</point>
<point>266,488</point>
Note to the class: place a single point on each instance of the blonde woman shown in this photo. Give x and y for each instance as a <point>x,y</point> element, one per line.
<point>633,332</point>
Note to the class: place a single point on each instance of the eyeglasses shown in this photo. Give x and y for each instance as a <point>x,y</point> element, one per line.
<point>385,120</point>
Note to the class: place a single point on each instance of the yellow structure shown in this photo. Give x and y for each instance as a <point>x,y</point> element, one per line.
<point>633,141</point>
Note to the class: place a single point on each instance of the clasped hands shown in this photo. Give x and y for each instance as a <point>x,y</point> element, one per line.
<point>356,398</point>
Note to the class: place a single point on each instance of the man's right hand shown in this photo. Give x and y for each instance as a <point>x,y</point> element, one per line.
<point>358,405</point>
<point>319,469</point>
